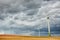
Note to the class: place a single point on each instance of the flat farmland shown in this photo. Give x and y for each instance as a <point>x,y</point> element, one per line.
<point>18,37</point>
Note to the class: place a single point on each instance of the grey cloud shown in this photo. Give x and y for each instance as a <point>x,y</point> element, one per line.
<point>32,6</point>
<point>32,12</point>
<point>46,0</point>
<point>50,0</point>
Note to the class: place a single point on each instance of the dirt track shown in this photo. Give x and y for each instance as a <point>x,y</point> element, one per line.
<point>13,37</point>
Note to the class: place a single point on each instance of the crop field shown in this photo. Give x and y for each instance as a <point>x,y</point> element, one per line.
<point>15,37</point>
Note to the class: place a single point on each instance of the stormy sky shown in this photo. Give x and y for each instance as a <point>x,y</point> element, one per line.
<point>28,17</point>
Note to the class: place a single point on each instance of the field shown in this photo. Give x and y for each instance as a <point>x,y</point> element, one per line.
<point>17,37</point>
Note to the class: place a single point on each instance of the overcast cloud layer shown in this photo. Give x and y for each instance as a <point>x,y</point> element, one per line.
<point>28,17</point>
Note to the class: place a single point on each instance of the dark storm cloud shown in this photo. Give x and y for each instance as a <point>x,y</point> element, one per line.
<point>32,12</point>
<point>46,0</point>
<point>2,17</point>
<point>32,6</point>
<point>12,8</point>
<point>51,0</point>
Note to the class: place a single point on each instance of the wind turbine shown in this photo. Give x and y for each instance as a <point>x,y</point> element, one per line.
<point>48,23</point>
